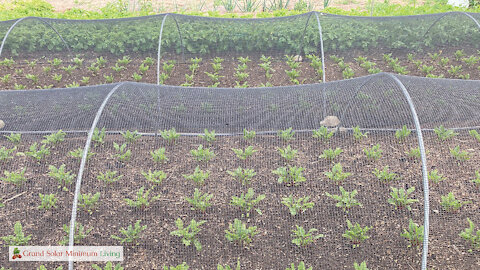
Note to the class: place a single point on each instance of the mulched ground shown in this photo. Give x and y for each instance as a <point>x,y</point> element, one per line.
<point>272,247</point>
<point>256,74</point>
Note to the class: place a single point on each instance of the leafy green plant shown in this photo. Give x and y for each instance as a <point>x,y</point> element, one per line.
<point>384,175</point>
<point>122,154</point>
<point>330,154</point>
<point>15,138</point>
<point>124,61</point>
<point>5,78</point>
<point>42,267</point>
<point>78,61</point>
<point>155,177</point>
<point>98,136</point>
<point>227,267</point>
<point>435,177</point>
<point>136,77</point>
<point>450,204</point>
<point>291,175</point>
<point>244,154</point>
<point>159,155</point>
<point>243,175</point>
<point>337,174</point>
<point>72,85</point>
<point>443,133</point>
<point>131,137</point>
<point>288,153</point>
<point>109,177</point>
<point>57,77</point>
<point>202,154</point>
<point>47,201</point>
<point>170,135</point>
<point>248,135</point>
<point>19,87</point>
<point>62,176</point>
<point>414,153</point>
<point>108,266</point>
<point>399,198</point>
<point>414,234</point>
<point>373,153</point>
<point>200,201</point>
<point>209,136</point>
<point>16,178</point>
<point>459,155</point>
<point>56,62</point>
<point>358,135</point>
<point>33,78</point>
<point>69,69</point>
<point>38,153</point>
<point>189,233</point>
<point>239,233</point>
<point>345,200</point>
<point>198,176</point>
<point>302,238</point>
<point>299,205</point>
<point>88,201</point>
<point>85,80</point>
<point>6,153</point>
<point>301,266</point>
<point>54,138</point>
<point>286,134</point>
<point>323,134</point>
<point>80,233</point>
<point>402,134</point>
<point>18,238</point>
<point>361,266</point>
<point>183,266</point>
<point>142,200</point>
<point>459,54</point>
<point>78,153</point>
<point>356,234</point>
<point>131,234</point>
<point>475,134</point>
<point>469,234</point>
<point>476,180</point>
<point>247,201</point>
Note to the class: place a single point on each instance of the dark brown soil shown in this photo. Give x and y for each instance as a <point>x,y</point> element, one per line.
<point>256,74</point>
<point>272,247</point>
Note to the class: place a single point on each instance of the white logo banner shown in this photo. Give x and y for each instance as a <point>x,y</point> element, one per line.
<point>62,253</point>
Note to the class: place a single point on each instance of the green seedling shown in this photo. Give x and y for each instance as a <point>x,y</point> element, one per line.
<point>183,266</point>
<point>168,66</point>
<point>200,201</point>
<point>288,153</point>
<point>337,174</point>
<point>72,85</point>
<point>159,155</point>
<point>54,138</point>
<point>33,78</point>
<point>108,78</point>
<point>42,267</point>
<point>299,205</point>
<point>88,201</point>
<point>80,233</point>
<point>122,154</point>
<point>16,178</point>
<point>155,177</point>
<point>142,200</point>
<point>475,134</point>
<point>291,175</point>
<point>248,135</point>
<point>118,68</point>
<point>6,153</point>
<point>243,175</point>
<point>244,154</point>
<point>124,61</point>
<point>459,155</point>
<point>6,78</point>
<point>345,200</point>
<point>323,134</point>
<point>247,202</point>
<point>55,62</point>
<point>19,87</point>
<point>301,266</point>
<point>85,80</point>
<point>99,136</point>
<point>414,153</point>
<point>414,234</point>
<point>189,233</point>
<point>402,134</point>
<point>38,153</point>
<point>450,204</point>
<point>148,61</point>
<point>131,234</point>
<point>469,234</point>
<point>358,135</point>
<point>399,198</point>
<point>361,266</point>
<point>384,175</point>
<point>14,138</point>
<point>198,176</point>
<point>476,180</point>
<point>239,233</point>
<point>435,177</point>
<point>109,177</point>
<point>287,134</point>
<point>170,135</point>
<point>131,137</point>
<point>47,201</point>
<point>143,68</point>
<point>443,133</point>
<point>108,266</point>
<point>63,177</point>
<point>78,61</point>
<point>208,136</point>
<point>136,77</point>
<point>330,154</point>
<point>227,267</point>
<point>69,69</point>
<point>202,154</point>
<point>356,234</point>
<point>302,238</point>
<point>18,238</point>
<point>373,153</point>
<point>78,153</point>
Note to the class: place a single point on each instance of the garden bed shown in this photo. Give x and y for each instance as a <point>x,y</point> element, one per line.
<point>272,248</point>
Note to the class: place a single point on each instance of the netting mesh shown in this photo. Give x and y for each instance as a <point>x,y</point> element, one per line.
<point>356,137</point>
